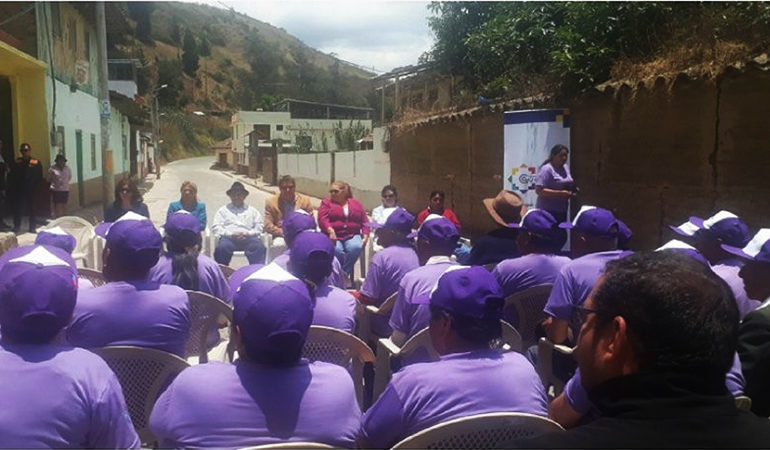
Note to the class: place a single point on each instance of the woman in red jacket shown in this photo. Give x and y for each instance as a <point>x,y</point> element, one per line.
<point>342,218</point>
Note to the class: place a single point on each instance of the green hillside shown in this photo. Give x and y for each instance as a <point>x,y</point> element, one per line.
<point>219,61</point>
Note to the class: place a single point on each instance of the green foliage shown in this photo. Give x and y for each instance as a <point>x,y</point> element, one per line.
<point>141,13</point>
<point>169,73</point>
<point>499,46</point>
<point>190,54</point>
<point>204,49</point>
<point>345,137</point>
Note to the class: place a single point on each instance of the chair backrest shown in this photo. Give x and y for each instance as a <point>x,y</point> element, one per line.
<point>226,270</point>
<point>743,402</point>
<point>205,312</point>
<point>342,348</point>
<point>94,276</point>
<point>528,307</point>
<point>143,374</point>
<point>546,350</point>
<point>494,430</point>
<point>289,445</point>
<point>510,338</point>
<point>81,230</point>
<point>387,306</point>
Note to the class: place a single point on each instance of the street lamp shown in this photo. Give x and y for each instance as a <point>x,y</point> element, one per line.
<point>156,125</point>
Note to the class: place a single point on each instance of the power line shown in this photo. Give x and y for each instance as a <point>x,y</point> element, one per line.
<point>18,14</point>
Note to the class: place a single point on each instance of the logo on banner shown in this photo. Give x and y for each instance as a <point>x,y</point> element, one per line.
<point>523,178</point>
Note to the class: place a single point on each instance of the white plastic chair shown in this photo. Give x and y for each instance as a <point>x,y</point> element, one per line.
<point>339,347</point>
<point>528,305</point>
<point>481,431</point>
<point>389,353</point>
<point>143,374</point>
<point>365,315</point>
<point>544,367</point>
<point>92,275</point>
<point>205,313</point>
<point>83,231</point>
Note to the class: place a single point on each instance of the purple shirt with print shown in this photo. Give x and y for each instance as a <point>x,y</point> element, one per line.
<point>245,404</point>
<point>61,397</point>
<point>559,179</point>
<point>335,279</point>
<point>575,281</point>
<point>458,385</point>
<point>407,317</point>
<point>518,274</point>
<point>145,314</point>
<point>727,270</point>
<point>211,280</point>
<point>386,270</point>
<point>334,307</point>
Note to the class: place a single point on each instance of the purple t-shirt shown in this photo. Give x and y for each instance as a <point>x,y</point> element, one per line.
<point>524,272</point>
<point>334,307</point>
<point>245,404</point>
<point>575,281</point>
<point>577,396</point>
<point>144,314</point>
<point>211,280</point>
<point>559,179</point>
<point>61,397</point>
<point>407,317</point>
<point>458,385</point>
<point>335,279</point>
<point>727,270</point>
<point>386,270</point>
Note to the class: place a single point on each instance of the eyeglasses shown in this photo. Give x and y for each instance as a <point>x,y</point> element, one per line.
<point>580,313</point>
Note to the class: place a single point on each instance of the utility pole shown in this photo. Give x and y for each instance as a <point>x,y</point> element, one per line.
<point>156,126</point>
<point>108,180</point>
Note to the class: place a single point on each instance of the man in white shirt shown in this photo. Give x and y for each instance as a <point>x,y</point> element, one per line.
<point>238,227</point>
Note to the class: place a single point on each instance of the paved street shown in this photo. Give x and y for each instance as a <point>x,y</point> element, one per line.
<point>212,185</point>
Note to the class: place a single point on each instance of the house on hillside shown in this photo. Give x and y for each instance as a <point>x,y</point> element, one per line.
<point>294,126</point>
<point>49,82</point>
<point>224,152</point>
<point>418,88</point>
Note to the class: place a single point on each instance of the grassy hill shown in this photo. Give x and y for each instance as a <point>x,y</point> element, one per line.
<point>242,63</point>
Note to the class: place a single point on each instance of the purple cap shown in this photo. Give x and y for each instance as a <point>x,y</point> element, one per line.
<point>272,308</point>
<point>133,239</point>
<point>594,221</point>
<point>624,234</point>
<point>537,221</point>
<point>758,248</point>
<point>296,222</point>
<point>726,226</point>
<point>311,256</point>
<point>38,288</point>
<point>685,249</point>
<point>470,291</point>
<point>400,221</point>
<point>56,237</point>
<point>437,229</point>
<point>183,227</point>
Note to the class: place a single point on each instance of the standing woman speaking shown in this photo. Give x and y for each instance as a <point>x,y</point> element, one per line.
<point>554,185</point>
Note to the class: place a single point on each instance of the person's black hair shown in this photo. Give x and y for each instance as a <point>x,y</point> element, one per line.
<point>679,314</point>
<point>555,150</point>
<point>184,263</point>
<point>130,183</point>
<point>286,179</point>
<point>285,350</point>
<point>388,187</point>
<point>546,244</point>
<point>439,193</point>
<point>480,332</point>
<point>37,330</point>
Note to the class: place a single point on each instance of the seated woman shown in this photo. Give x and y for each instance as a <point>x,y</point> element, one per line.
<point>127,198</point>
<point>189,202</point>
<point>389,204</point>
<point>183,265</point>
<point>342,218</point>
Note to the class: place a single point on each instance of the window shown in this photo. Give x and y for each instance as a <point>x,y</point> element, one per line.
<point>93,152</point>
<point>279,128</point>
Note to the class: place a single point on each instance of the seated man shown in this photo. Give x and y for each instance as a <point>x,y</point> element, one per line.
<point>238,227</point>
<point>470,378</point>
<point>436,241</point>
<point>754,335</point>
<point>130,309</point>
<point>656,342</point>
<point>389,265</point>
<point>52,396</point>
<point>504,209</point>
<point>295,223</point>
<point>311,260</point>
<point>280,205</point>
<point>269,394</point>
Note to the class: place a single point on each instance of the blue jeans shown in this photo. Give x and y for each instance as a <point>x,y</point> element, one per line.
<point>252,247</point>
<point>347,252</point>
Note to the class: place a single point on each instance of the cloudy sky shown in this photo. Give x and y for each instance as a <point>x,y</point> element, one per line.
<point>371,33</point>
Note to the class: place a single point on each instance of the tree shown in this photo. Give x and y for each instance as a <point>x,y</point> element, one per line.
<point>190,54</point>
<point>141,12</point>
<point>169,73</point>
<point>204,49</point>
<point>345,137</point>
